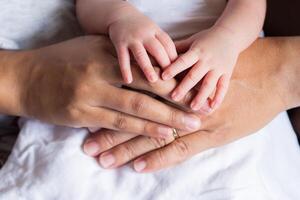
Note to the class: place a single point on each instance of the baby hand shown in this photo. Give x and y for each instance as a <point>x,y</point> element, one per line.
<point>211,56</point>
<point>137,34</point>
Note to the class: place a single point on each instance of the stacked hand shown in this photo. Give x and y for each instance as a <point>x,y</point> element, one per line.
<point>246,108</point>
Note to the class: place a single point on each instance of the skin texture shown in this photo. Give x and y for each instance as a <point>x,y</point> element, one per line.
<point>264,84</point>
<point>210,55</point>
<point>80,87</point>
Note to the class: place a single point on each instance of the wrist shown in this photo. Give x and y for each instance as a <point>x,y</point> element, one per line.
<point>228,36</point>
<point>14,71</point>
<point>122,11</point>
<point>290,71</point>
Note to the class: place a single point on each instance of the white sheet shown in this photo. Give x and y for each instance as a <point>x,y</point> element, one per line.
<point>48,163</point>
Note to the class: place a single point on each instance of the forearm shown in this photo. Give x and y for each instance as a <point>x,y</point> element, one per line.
<point>272,65</point>
<point>95,16</point>
<point>243,20</point>
<point>12,78</point>
<point>290,52</point>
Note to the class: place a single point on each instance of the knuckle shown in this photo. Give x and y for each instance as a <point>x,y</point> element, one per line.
<point>81,90</point>
<point>182,61</point>
<point>160,159</point>
<point>138,104</point>
<point>73,112</point>
<point>75,116</point>
<point>120,122</point>
<point>129,151</point>
<point>157,142</point>
<point>181,148</point>
<point>108,140</point>
<point>174,116</point>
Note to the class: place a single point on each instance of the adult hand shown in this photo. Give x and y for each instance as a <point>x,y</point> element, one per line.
<point>263,84</point>
<point>76,83</point>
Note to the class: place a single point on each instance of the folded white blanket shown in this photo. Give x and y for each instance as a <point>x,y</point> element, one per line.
<point>48,163</point>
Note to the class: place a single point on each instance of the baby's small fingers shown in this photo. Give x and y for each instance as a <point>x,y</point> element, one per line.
<point>124,61</point>
<point>207,87</point>
<point>143,60</point>
<point>221,90</point>
<point>156,49</point>
<point>182,63</point>
<point>189,81</point>
<point>168,44</point>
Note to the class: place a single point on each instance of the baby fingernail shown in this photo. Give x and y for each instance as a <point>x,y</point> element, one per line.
<point>153,77</point>
<point>164,132</point>
<point>166,76</point>
<point>176,96</point>
<point>128,80</point>
<point>195,106</point>
<point>192,123</point>
<point>206,109</point>
<point>91,148</point>
<point>107,160</point>
<point>139,165</point>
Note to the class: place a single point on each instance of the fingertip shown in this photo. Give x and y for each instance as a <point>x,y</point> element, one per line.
<point>194,106</point>
<point>128,80</point>
<point>139,165</point>
<point>127,77</point>
<point>176,96</point>
<point>91,148</point>
<point>153,77</point>
<point>166,76</point>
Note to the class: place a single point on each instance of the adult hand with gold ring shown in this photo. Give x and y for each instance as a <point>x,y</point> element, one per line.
<point>267,72</point>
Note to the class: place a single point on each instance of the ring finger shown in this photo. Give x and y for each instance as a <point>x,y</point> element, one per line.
<point>127,151</point>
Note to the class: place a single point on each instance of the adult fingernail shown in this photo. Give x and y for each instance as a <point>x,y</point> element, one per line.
<point>139,165</point>
<point>93,129</point>
<point>164,132</point>
<point>107,160</point>
<point>192,123</point>
<point>91,148</point>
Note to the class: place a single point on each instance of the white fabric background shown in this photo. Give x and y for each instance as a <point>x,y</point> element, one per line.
<point>47,162</point>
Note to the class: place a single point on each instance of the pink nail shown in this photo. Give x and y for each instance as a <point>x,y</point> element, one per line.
<point>91,148</point>
<point>176,96</point>
<point>153,77</point>
<point>139,165</point>
<point>107,160</point>
<point>195,106</point>
<point>166,76</point>
<point>128,80</point>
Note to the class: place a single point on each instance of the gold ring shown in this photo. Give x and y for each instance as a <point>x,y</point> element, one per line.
<point>175,134</point>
